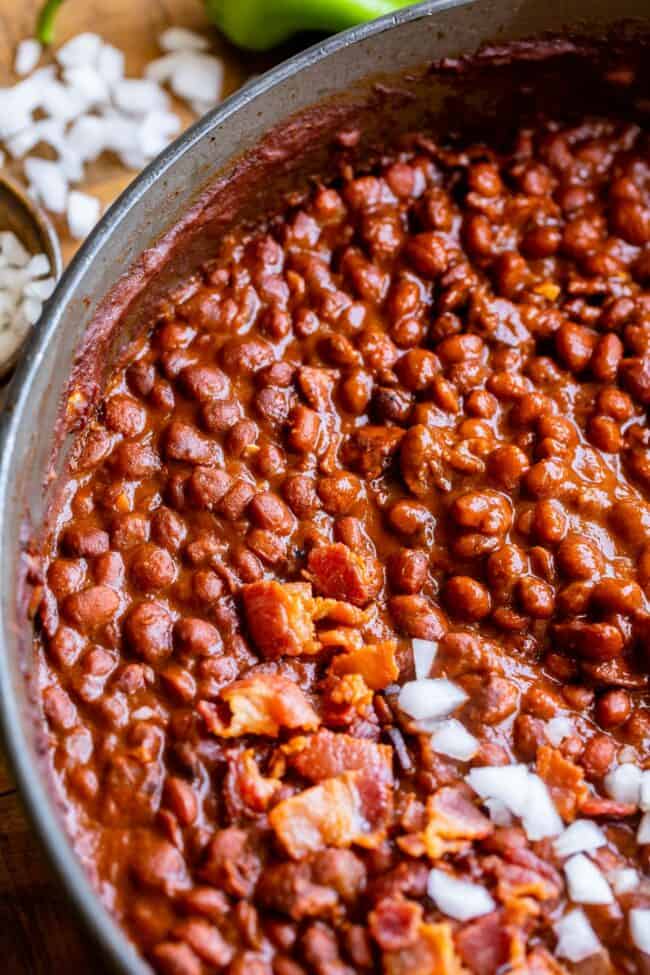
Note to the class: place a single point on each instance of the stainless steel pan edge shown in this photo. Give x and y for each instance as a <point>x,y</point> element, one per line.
<point>150,206</point>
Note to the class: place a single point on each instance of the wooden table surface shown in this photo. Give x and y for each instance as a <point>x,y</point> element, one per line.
<point>39,935</point>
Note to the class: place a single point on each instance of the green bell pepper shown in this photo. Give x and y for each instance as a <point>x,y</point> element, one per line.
<point>261,24</point>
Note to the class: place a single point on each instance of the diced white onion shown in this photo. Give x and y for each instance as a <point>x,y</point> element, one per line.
<point>643,833</point>
<point>81,49</point>
<point>644,797</point>
<point>508,783</point>
<point>581,836</point>
<point>576,937</point>
<point>137,96</point>
<point>639,919</point>
<point>540,818</point>
<point>557,729</point>
<point>623,880</point>
<point>424,652</point>
<point>86,78</point>
<point>110,64</point>
<point>458,899</point>
<point>586,883</point>
<point>83,214</point>
<point>199,76</point>
<point>624,783</point>
<point>48,182</point>
<point>432,698</point>
<point>28,54</point>
<point>182,39</point>
<point>498,812</point>
<point>24,285</point>
<point>453,739</point>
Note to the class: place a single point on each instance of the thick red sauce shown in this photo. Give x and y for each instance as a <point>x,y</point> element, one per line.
<point>414,407</point>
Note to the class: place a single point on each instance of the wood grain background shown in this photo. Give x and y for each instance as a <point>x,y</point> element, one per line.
<point>39,934</point>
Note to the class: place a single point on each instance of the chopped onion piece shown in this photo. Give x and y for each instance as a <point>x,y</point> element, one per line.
<point>453,739</point>
<point>82,49</point>
<point>83,214</point>
<point>581,836</point>
<point>48,182</point>
<point>640,928</point>
<point>576,937</point>
<point>498,812</point>
<point>199,76</point>
<point>644,798</point>
<point>430,698</point>
<point>424,652</point>
<point>85,78</point>
<point>643,832</point>
<point>137,96</point>
<point>28,54</point>
<point>624,880</point>
<point>110,64</point>
<point>586,883</point>
<point>181,39</point>
<point>458,899</point>
<point>624,783</point>
<point>557,729</point>
<point>508,783</point>
<point>540,818</point>
<point>13,251</point>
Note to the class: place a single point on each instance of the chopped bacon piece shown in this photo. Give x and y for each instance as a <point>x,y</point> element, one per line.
<point>453,822</point>
<point>484,944</point>
<point>328,754</point>
<point>280,618</point>
<point>432,952</point>
<point>375,662</point>
<point>351,808</point>
<point>344,698</point>
<point>600,806</point>
<point>395,923</point>
<point>340,573</point>
<point>515,880</point>
<point>260,705</point>
<point>565,779</point>
<point>247,792</point>
<point>539,962</point>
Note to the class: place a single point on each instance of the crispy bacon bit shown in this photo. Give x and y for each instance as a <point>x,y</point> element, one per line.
<point>248,793</point>
<point>351,808</point>
<point>340,573</point>
<point>395,923</point>
<point>484,944</point>
<point>517,881</point>
<point>260,705</point>
<point>348,693</point>
<point>432,952</point>
<point>600,806</point>
<point>453,823</point>
<point>375,662</point>
<point>328,754</point>
<point>565,779</point>
<point>280,618</point>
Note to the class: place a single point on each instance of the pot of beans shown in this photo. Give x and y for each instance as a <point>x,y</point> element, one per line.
<point>325,517</point>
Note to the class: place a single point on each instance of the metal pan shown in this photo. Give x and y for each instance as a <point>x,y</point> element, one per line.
<point>97,302</point>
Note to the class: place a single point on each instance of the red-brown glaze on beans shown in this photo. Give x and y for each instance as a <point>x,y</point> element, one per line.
<point>413,407</point>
